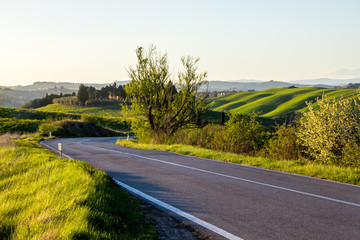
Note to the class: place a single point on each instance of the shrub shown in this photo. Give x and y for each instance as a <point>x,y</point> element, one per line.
<point>67,101</point>
<point>90,118</point>
<point>284,144</point>
<point>70,128</point>
<point>18,125</point>
<point>241,134</point>
<point>327,132</point>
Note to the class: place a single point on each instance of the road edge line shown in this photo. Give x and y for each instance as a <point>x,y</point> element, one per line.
<point>178,211</point>
<point>54,149</point>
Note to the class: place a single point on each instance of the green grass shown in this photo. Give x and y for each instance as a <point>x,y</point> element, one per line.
<point>104,111</point>
<point>34,114</point>
<point>275,102</point>
<point>28,121</point>
<point>330,172</point>
<point>43,197</point>
<point>21,126</point>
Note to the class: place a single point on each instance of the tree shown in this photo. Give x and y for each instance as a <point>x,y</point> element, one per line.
<point>165,107</point>
<point>83,94</point>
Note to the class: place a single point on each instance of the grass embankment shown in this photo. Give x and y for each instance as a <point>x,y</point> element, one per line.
<point>105,111</point>
<point>330,172</point>
<point>30,121</point>
<point>42,197</point>
<point>275,102</point>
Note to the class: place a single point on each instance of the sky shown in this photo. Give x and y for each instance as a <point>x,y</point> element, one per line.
<point>92,41</point>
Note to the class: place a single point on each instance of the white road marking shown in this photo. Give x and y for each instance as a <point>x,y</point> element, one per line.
<point>54,150</point>
<point>179,212</point>
<point>242,179</point>
<point>167,206</point>
<point>233,177</point>
<point>269,170</point>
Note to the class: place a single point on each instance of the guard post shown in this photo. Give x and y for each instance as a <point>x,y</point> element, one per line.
<point>60,149</point>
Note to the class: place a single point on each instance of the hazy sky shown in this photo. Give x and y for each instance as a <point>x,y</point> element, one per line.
<point>95,41</point>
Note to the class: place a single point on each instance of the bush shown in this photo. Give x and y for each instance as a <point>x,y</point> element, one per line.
<point>284,144</point>
<point>90,118</point>
<point>241,134</point>
<point>14,125</point>
<point>327,132</point>
<point>67,101</point>
<point>70,128</point>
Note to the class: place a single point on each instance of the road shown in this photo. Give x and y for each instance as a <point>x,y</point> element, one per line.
<point>243,202</point>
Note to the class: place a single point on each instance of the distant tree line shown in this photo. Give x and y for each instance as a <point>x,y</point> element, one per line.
<point>89,96</point>
<point>86,96</point>
<point>48,99</point>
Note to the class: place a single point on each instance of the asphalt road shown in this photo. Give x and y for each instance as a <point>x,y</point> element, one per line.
<point>246,202</point>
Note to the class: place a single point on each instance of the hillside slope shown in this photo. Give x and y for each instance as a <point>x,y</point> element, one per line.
<point>275,102</point>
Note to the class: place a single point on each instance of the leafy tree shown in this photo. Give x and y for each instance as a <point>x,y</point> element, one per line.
<point>332,131</point>
<point>165,107</point>
<point>83,94</point>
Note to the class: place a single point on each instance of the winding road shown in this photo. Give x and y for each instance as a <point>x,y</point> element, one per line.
<point>226,200</point>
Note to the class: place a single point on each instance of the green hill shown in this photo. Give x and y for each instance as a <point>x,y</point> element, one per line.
<point>275,102</point>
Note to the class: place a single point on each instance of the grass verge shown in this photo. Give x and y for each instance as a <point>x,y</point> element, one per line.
<point>42,197</point>
<point>330,172</point>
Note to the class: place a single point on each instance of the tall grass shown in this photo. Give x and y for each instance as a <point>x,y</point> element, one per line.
<point>43,197</point>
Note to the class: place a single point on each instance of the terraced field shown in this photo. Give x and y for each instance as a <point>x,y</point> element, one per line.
<point>276,102</point>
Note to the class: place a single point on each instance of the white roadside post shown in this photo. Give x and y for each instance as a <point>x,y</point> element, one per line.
<point>60,149</point>
<point>50,133</point>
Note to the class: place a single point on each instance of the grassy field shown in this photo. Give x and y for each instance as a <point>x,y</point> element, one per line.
<point>275,102</point>
<point>43,197</point>
<point>330,172</point>
<point>29,121</point>
<point>104,111</point>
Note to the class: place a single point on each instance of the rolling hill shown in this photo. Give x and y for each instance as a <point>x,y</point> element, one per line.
<point>275,102</point>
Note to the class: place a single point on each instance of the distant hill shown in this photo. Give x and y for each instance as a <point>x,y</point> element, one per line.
<point>17,96</point>
<point>327,81</point>
<point>245,86</point>
<point>275,102</point>
<point>41,86</point>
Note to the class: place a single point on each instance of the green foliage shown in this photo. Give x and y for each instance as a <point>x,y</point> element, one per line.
<point>284,144</point>
<point>244,134</point>
<point>42,197</point>
<point>100,111</point>
<point>241,134</point>
<point>83,94</point>
<point>14,125</point>
<point>71,128</point>
<point>71,100</point>
<point>34,114</point>
<point>153,95</point>
<point>326,132</point>
<point>109,122</point>
<point>41,102</point>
